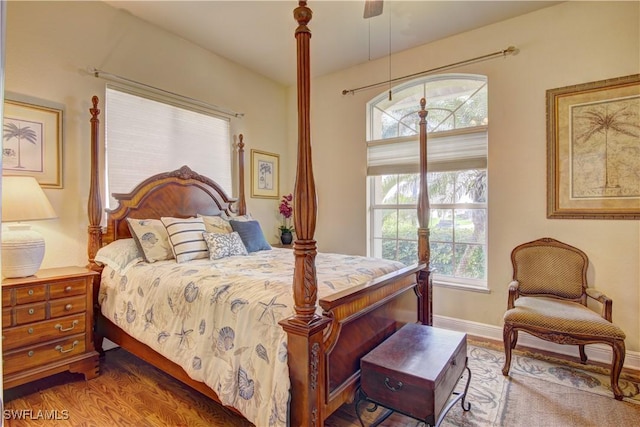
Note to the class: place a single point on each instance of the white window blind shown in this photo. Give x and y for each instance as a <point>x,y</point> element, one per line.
<point>146,136</point>
<point>446,151</point>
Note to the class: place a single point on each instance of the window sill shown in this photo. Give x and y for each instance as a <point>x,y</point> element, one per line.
<point>459,286</point>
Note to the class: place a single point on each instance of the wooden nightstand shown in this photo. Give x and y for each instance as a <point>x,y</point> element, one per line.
<point>47,325</point>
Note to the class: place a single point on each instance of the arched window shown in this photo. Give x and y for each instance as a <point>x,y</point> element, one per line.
<point>457,124</point>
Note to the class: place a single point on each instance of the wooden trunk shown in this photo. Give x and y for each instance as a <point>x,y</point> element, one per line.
<point>415,370</point>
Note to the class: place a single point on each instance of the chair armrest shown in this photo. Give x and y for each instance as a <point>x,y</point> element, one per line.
<point>602,299</point>
<point>513,294</point>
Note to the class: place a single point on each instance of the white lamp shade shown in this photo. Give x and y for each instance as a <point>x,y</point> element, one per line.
<point>22,248</point>
<point>24,200</point>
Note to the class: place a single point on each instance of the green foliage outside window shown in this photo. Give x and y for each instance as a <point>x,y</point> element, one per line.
<point>457,223</point>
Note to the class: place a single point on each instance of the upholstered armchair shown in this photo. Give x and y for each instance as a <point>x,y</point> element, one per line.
<point>548,299</point>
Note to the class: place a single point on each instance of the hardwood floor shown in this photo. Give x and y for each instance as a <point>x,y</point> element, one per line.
<point>128,392</point>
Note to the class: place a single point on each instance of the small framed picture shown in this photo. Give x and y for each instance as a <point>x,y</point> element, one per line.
<point>265,175</point>
<point>32,142</point>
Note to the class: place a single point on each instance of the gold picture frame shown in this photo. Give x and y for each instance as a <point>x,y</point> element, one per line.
<point>593,150</point>
<point>32,142</point>
<point>265,175</point>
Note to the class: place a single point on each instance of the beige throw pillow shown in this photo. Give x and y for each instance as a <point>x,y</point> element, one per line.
<point>152,239</point>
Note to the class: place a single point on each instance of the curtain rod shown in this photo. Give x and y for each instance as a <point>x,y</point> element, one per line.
<point>116,78</point>
<point>508,51</point>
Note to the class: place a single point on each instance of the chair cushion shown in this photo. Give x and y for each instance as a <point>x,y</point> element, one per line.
<point>563,317</point>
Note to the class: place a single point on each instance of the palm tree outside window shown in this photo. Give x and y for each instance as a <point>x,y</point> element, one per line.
<point>457,162</point>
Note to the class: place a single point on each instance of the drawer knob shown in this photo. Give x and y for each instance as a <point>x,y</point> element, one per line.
<point>397,387</point>
<point>61,329</point>
<point>30,292</point>
<point>68,307</point>
<point>30,330</point>
<point>31,311</point>
<point>62,350</point>
<point>31,353</point>
<point>68,289</point>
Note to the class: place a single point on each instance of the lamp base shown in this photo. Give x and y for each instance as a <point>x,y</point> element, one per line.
<point>22,251</point>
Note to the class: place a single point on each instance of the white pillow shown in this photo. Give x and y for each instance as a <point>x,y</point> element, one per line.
<point>120,255</point>
<point>152,239</point>
<point>222,245</point>
<point>185,236</point>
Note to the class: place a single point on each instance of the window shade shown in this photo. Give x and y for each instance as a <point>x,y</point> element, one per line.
<point>445,153</point>
<point>145,137</point>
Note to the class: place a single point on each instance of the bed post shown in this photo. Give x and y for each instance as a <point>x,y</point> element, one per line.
<point>242,204</point>
<point>94,207</point>
<point>305,328</point>
<point>425,287</point>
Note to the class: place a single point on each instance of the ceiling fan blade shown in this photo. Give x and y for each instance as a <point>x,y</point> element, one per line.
<point>372,8</point>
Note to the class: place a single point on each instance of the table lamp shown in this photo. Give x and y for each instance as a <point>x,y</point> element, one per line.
<point>22,247</point>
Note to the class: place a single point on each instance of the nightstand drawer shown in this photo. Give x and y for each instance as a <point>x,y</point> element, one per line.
<point>35,333</point>
<point>6,297</point>
<point>6,317</point>
<point>66,306</point>
<point>27,294</point>
<point>68,288</point>
<point>30,313</point>
<point>30,357</point>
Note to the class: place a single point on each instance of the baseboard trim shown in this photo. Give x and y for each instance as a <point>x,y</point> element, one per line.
<point>596,352</point>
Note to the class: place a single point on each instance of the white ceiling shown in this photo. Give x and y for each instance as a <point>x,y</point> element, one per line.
<point>260,34</point>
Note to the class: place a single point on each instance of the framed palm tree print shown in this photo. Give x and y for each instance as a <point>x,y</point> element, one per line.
<point>32,142</point>
<point>593,150</point>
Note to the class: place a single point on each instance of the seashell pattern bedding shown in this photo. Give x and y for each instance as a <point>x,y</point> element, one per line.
<point>219,319</point>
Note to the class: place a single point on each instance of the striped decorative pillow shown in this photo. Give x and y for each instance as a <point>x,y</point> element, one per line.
<point>185,236</point>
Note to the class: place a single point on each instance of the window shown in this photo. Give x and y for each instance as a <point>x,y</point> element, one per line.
<point>149,135</point>
<point>457,178</point>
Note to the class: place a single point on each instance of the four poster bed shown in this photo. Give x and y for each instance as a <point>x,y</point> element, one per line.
<point>320,325</point>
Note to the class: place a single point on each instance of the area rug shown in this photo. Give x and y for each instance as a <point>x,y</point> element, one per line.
<point>539,391</point>
<point>530,401</point>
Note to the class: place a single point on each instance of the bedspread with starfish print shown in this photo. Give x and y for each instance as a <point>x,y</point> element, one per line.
<point>219,319</point>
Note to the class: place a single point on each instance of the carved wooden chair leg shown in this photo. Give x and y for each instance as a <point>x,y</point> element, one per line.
<point>616,367</point>
<point>583,355</point>
<point>514,339</point>
<point>508,336</point>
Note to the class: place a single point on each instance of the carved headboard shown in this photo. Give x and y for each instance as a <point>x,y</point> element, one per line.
<point>181,193</point>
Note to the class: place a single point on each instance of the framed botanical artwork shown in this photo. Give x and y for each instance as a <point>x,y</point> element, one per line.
<point>593,150</point>
<point>32,142</point>
<point>265,175</point>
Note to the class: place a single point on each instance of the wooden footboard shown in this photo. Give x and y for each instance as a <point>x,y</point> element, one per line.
<point>324,351</point>
<point>360,320</point>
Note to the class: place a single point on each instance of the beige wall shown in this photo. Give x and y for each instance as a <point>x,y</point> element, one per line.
<point>567,44</point>
<point>50,45</point>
